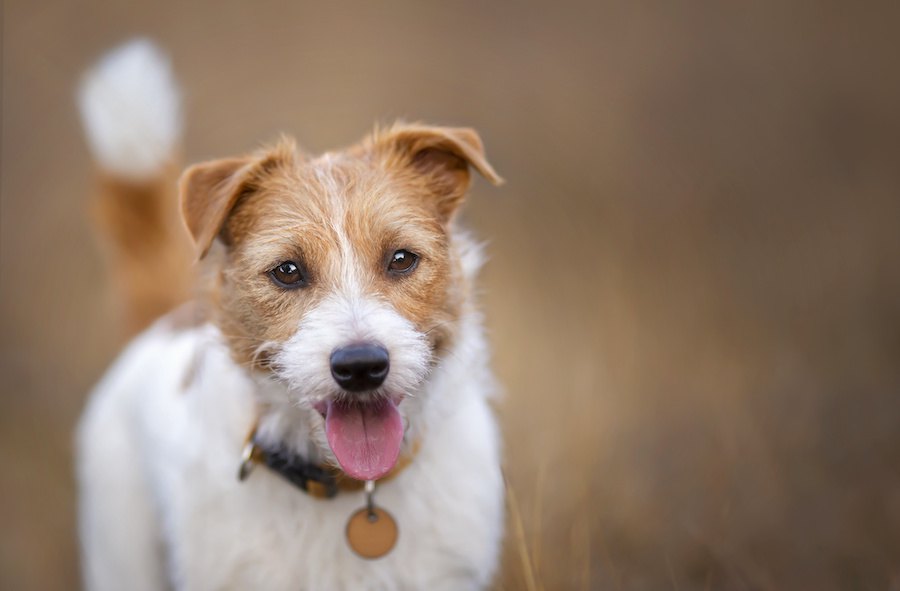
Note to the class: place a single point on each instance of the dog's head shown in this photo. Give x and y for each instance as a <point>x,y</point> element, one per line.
<point>340,276</point>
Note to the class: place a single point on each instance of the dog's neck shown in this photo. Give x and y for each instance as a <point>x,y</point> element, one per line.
<point>283,422</point>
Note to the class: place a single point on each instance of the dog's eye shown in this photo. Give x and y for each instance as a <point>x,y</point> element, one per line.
<point>287,275</point>
<point>403,261</point>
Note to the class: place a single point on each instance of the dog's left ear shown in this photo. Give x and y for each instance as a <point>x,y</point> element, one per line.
<point>440,156</point>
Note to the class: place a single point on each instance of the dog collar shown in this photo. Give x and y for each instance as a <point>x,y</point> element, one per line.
<point>322,481</point>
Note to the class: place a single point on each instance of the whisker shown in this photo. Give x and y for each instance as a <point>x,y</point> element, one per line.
<point>264,348</point>
<point>445,351</point>
<point>435,327</point>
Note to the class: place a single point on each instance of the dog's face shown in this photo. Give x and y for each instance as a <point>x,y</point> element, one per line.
<point>340,277</point>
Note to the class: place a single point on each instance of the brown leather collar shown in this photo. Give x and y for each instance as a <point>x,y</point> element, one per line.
<point>322,481</point>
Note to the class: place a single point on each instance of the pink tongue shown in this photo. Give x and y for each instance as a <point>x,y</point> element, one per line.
<point>365,438</point>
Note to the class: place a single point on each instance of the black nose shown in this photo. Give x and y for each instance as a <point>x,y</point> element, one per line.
<point>360,367</point>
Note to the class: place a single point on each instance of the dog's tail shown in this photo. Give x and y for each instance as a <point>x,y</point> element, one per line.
<point>131,113</point>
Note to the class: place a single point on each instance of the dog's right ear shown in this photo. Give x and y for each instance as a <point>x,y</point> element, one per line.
<point>210,190</point>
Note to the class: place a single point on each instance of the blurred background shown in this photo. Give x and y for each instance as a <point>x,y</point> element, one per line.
<point>694,284</point>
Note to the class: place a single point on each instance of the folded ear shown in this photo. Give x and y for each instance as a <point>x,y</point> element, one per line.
<point>210,190</point>
<point>441,156</point>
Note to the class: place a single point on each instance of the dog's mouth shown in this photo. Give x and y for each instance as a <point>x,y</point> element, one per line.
<point>365,436</point>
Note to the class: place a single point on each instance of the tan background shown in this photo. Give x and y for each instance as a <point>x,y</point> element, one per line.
<point>694,289</point>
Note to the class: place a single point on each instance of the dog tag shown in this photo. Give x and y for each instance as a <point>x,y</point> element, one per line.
<point>371,531</point>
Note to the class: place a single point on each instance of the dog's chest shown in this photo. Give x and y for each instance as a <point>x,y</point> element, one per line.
<point>265,533</point>
<point>270,535</point>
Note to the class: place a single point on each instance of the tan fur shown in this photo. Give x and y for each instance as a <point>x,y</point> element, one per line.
<point>398,189</point>
<point>148,250</point>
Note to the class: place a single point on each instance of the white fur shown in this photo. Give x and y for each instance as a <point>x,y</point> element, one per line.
<point>130,109</point>
<point>160,501</point>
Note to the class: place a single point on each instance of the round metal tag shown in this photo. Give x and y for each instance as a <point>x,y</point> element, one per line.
<point>371,533</point>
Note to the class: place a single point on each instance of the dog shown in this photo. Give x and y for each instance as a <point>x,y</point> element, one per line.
<point>319,415</point>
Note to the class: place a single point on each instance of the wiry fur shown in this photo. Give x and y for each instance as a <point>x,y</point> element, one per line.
<point>160,442</point>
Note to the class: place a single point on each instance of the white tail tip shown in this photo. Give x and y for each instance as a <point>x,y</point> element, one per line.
<point>131,110</point>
